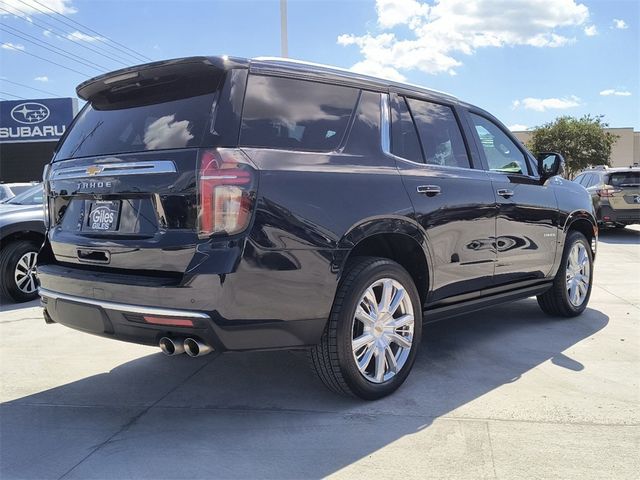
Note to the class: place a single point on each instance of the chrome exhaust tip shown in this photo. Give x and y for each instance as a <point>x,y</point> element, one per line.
<point>195,348</point>
<point>171,346</point>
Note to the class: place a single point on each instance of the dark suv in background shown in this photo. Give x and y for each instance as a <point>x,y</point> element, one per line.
<point>212,203</point>
<point>615,193</point>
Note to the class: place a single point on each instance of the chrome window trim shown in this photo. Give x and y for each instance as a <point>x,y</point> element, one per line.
<point>122,307</point>
<point>385,124</point>
<point>115,169</point>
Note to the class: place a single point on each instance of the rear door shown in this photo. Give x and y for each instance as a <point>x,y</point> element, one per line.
<point>453,202</point>
<point>526,226</point>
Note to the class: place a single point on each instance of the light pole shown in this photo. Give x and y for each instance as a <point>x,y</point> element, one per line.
<point>284,49</point>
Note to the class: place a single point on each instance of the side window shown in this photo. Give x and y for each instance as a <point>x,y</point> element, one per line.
<point>404,138</point>
<point>502,153</point>
<point>579,178</point>
<point>439,134</point>
<point>295,114</point>
<point>595,180</point>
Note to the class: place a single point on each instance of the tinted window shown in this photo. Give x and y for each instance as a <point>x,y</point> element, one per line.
<point>173,124</point>
<point>624,179</point>
<point>404,138</point>
<point>502,153</point>
<point>439,133</point>
<point>295,114</point>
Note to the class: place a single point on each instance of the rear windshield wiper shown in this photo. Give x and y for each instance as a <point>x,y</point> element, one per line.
<point>85,138</point>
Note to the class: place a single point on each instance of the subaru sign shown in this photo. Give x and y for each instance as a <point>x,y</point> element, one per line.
<point>35,120</point>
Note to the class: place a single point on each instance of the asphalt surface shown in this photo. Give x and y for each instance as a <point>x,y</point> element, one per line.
<point>503,393</point>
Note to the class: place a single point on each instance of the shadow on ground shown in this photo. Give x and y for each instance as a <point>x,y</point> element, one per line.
<point>263,414</point>
<point>620,236</point>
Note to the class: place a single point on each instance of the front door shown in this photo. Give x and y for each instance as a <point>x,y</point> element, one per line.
<point>526,225</point>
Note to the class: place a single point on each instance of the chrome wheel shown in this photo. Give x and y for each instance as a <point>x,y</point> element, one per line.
<point>25,273</point>
<point>382,330</point>
<point>578,274</point>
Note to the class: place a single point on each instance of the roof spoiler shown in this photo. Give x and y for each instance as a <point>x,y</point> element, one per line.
<point>189,66</point>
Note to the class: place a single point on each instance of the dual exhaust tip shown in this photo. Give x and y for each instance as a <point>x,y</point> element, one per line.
<point>190,346</point>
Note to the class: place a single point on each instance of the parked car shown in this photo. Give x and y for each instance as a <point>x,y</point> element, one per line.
<point>615,193</point>
<point>21,235</point>
<point>211,204</point>
<point>10,190</point>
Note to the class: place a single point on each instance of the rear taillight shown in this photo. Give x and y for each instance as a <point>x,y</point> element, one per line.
<point>226,191</point>
<point>607,192</point>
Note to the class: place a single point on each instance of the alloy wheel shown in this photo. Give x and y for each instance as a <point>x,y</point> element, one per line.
<point>25,273</point>
<point>578,274</point>
<point>382,330</point>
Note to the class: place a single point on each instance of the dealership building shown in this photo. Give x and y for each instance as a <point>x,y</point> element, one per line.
<point>29,132</point>
<point>625,152</point>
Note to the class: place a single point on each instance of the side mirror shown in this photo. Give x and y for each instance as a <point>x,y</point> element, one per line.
<point>550,164</point>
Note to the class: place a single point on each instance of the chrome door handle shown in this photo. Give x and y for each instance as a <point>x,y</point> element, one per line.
<point>505,192</point>
<point>429,190</point>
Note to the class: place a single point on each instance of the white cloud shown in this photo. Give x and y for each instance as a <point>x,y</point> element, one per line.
<point>620,24</point>
<point>518,127</point>
<point>618,93</point>
<point>22,8</point>
<point>396,12</point>
<point>443,31</point>
<point>81,37</point>
<point>43,78</point>
<point>590,31</point>
<point>12,46</point>
<point>544,104</point>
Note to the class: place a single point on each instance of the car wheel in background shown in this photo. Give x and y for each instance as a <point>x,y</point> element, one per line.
<point>18,270</point>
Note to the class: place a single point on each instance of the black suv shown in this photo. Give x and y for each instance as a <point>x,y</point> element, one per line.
<point>210,204</point>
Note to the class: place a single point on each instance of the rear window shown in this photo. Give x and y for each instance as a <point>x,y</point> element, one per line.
<point>295,114</point>
<point>624,179</point>
<point>175,124</point>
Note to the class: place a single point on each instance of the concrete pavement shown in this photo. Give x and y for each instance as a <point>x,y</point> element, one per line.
<point>503,393</point>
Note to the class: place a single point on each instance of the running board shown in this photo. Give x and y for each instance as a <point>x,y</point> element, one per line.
<point>436,313</point>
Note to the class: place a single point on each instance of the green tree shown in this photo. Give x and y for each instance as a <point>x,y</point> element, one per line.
<point>581,141</point>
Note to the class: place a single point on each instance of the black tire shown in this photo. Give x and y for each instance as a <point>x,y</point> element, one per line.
<point>9,257</point>
<point>333,359</point>
<point>555,301</point>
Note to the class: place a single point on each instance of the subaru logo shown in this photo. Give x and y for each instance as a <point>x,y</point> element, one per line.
<point>29,113</point>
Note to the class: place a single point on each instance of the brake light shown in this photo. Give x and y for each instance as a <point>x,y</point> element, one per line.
<point>226,190</point>
<point>607,192</point>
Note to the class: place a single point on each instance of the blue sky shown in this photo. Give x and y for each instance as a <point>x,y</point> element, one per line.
<point>526,61</point>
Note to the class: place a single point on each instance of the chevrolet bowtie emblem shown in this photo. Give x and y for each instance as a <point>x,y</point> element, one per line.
<point>94,170</point>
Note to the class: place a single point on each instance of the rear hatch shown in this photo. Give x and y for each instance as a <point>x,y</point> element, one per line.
<point>124,187</point>
<point>625,190</point>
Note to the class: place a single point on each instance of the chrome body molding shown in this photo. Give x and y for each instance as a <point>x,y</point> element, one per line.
<point>122,307</point>
<point>114,169</point>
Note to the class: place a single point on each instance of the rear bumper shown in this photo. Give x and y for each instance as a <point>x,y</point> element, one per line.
<point>627,216</point>
<point>225,313</point>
